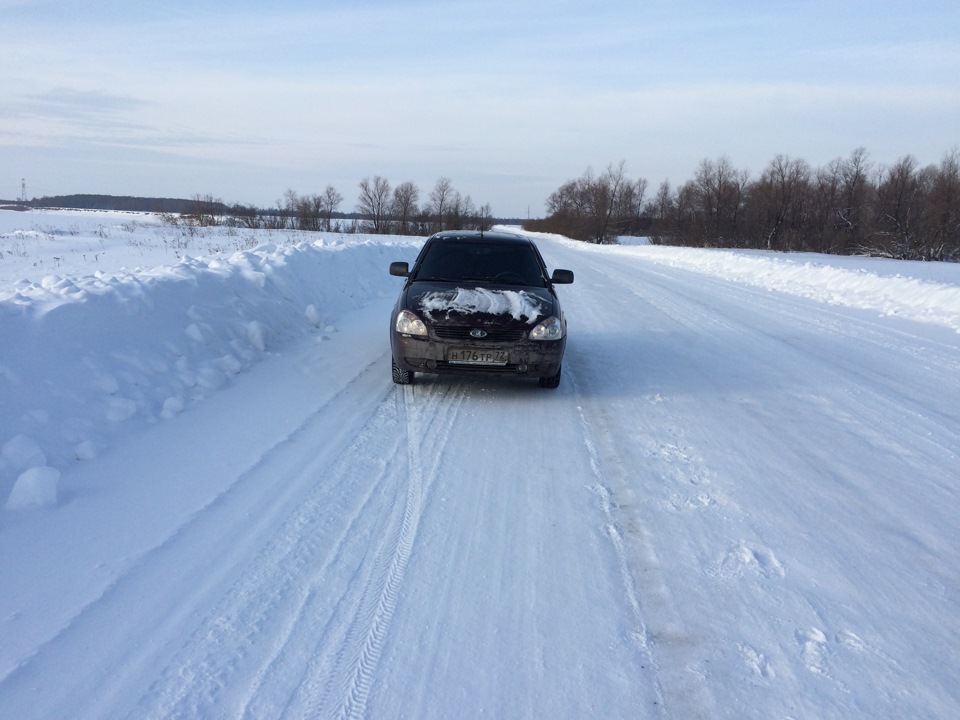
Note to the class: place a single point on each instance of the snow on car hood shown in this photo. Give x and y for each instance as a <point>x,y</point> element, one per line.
<point>519,304</point>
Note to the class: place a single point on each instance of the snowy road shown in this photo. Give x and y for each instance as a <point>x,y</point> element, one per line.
<point>737,504</point>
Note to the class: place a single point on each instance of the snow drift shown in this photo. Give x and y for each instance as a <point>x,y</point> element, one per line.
<point>85,354</point>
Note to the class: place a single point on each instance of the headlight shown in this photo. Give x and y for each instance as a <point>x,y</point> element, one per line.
<point>549,329</point>
<point>409,324</point>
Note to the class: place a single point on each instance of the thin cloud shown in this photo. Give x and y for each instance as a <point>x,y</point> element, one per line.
<point>84,107</point>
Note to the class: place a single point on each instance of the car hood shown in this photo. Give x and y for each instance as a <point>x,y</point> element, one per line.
<point>458,304</point>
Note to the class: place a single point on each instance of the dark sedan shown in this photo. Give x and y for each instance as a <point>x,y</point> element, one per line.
<point>478,302</point>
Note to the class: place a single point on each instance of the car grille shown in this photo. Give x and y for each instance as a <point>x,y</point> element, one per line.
<point>446,332</point>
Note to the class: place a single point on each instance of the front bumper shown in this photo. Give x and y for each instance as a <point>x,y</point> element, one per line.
<point>525,358</point>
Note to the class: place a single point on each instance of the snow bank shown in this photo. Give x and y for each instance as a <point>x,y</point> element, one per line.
<point>85,356</point>
<point>884,286</point>
<point>927,292</point>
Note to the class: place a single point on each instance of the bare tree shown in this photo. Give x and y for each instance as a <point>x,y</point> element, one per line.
<point>598,208</point>
<point>485,217</point>
<point>778,201</point>
<point>205,211</point>
<point>289,207</point>
<point>635,199</point>
<point>943,213</point>
<point>245,216</point>
<point>440,198</point>
<point>661,204</point>
<point>404,206</point>
<point>566,201</point>
<point>329,204</point>
<point>457,211</point>
<point>306,212</point>
<point>852,210</point>
<point>685,213</point>
<point>374,202</point>
<point>901,195</point>
<point>718,202</point>
<point>825,197</point>
<point>605,201</point>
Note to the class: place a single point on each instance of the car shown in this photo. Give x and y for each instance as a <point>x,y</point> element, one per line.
<point>478,302</point>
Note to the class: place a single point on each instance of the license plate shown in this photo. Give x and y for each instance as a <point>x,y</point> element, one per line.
<point>470,356</point>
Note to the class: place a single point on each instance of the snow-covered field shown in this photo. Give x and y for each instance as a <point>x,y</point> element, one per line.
<point>741,501</point>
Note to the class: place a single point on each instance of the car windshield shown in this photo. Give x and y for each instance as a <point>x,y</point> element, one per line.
<point>496,263</point>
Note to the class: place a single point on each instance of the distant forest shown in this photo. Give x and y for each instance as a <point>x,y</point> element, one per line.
<point>849,207</point>
<point>112,202</point>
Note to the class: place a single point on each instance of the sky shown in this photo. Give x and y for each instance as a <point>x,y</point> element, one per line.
<point>246,100</point>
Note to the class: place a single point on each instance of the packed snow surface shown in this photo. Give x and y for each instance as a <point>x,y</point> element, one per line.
<point>518,304</point>
<point>739,503</point>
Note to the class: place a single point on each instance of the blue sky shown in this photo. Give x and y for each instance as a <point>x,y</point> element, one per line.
<point>245,100</point>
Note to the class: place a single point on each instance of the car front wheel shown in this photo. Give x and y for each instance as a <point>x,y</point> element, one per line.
<point>401,376</point>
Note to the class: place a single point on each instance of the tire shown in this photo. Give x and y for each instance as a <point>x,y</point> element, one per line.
<point>551,382</point>
<point>401,376</point>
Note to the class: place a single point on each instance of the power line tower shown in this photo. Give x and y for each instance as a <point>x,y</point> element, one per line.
<point>23,191</point>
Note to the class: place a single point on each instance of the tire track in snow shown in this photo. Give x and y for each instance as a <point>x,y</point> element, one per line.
<point>355,699</point>
<point>278,586</point>
<point>301,632</point>
<point>326,595</point>
<point>297,644</point>
<point>340,675</point>
<point>661,636</point>
<point>614,533</point>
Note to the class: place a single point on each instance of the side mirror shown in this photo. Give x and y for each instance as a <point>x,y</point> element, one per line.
<point>400,269</point>
<point>562,277</point>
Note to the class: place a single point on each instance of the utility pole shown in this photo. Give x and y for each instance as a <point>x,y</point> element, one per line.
<point>23,191</point>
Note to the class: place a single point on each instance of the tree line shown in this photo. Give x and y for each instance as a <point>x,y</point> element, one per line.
<point>850,206</point>
<point>382,208</point>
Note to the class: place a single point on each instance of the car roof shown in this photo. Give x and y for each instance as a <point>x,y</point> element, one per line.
<point>485,236</point>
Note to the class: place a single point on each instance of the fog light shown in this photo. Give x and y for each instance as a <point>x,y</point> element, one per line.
<point>431,364</point>
<point>521,368</point>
